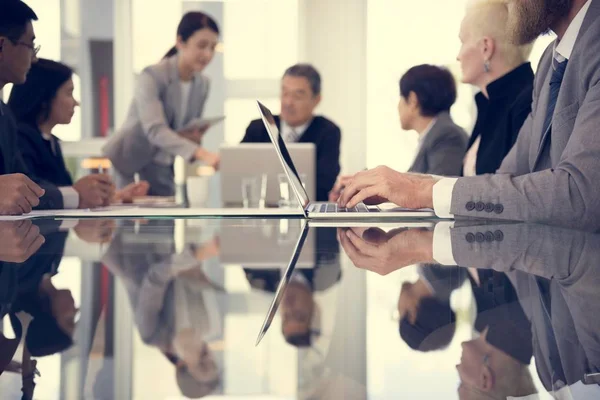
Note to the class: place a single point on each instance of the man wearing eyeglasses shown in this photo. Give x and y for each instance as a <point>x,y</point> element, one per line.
<point>18,193</point>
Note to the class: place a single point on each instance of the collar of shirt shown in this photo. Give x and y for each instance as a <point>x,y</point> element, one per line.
<point>564,47</point>
<point>285,128</point>
<point>46,136</point>
<point>425,132</point>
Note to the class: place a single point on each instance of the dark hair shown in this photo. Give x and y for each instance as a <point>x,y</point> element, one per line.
<point>300,339</point>
<point>190,23</point>
<point>434,87</point>
<point>434,326</point>
<point>309,72</point>
<point>30,101</point>
<point>44,337</point>
<point>193,389</point>
<point>14,17</point>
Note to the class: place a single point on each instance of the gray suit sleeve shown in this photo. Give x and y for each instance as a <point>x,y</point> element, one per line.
<point>552,253</point>
<point>568,195</point>
<point>154,123</point>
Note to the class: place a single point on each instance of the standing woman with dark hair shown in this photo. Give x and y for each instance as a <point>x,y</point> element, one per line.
<point>169,95</point>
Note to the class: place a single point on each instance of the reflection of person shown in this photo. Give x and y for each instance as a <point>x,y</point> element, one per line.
<point>550,175</point>
<point>427,322</point>
<point>169,95</point>
<point>53,325</point>
<point>504,342</point>
<point>42,316</point>
<point>498,68</point>
<point>300,313</point>
<point>173,304</point>
<point>42,102</point>
<point>19,240</point>
<point>385,252</point>
<point>487,372</point>
<point>555,273</point>
<point>300,96</point>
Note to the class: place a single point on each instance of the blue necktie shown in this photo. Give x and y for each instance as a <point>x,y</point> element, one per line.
<point>555,82</point>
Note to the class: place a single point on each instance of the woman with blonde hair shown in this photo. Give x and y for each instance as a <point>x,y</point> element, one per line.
<point>500,70</point>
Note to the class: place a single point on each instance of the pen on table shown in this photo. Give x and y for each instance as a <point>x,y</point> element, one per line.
<point>101,171</point>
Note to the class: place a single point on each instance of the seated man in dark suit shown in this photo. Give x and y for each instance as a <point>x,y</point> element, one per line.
<point>300,95</point>
<point>17,51</point>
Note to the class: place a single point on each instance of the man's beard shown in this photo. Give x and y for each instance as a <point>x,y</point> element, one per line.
<point>528,19</point>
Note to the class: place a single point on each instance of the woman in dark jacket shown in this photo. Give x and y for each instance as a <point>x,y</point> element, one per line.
<point>42,102</point>
<point>500,71</point>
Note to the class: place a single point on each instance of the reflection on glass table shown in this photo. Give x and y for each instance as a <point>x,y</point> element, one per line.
<point>157,301</point>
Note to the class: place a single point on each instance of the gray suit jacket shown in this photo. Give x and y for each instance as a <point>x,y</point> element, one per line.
<point>149,132</point>
<point>443,149</point>
<point>552,179</point>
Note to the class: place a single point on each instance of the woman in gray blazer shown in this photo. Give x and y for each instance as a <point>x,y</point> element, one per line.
<point>169,95</point>
<point>427,92</point>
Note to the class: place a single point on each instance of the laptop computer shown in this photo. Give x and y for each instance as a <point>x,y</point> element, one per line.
<point>283,283</point>
<point>319,210</point>
<point>243,160</point>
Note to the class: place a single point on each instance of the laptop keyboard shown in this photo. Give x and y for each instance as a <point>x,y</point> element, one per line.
<point>334,208</point>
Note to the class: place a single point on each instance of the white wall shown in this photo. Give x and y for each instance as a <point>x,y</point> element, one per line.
<point>334,40</point>
<point>402,34</point>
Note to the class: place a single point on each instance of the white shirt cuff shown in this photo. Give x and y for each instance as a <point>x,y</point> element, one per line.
<point>70,197</point>
<point>442,243</point>
<point>68,224</point>
<point>442,197</point>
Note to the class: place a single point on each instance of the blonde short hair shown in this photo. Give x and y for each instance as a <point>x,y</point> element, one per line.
<point>489,18</point>
<point>512,379</point>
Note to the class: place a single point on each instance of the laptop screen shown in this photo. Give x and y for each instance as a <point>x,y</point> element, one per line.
<point>284,155</point>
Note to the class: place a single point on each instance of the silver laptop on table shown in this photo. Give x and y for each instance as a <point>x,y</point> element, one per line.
<point>255,159</point>
<point>314,210</point>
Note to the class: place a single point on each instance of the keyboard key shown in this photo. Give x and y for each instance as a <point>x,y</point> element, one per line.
<point>361,207</point>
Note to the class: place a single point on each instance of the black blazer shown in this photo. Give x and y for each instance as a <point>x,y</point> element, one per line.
<point>11,160</point>
<point>500,118</point>
<point>326,136</point>
<point>39,158</point>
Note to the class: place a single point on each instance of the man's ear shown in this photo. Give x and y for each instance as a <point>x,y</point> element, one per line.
<point>317,100</point>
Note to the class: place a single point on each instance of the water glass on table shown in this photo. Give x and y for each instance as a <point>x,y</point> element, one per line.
<point>254,191</point>
<point>287,197</point>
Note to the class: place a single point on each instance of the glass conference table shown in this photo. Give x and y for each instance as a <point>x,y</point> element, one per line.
<point>173,309</point>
